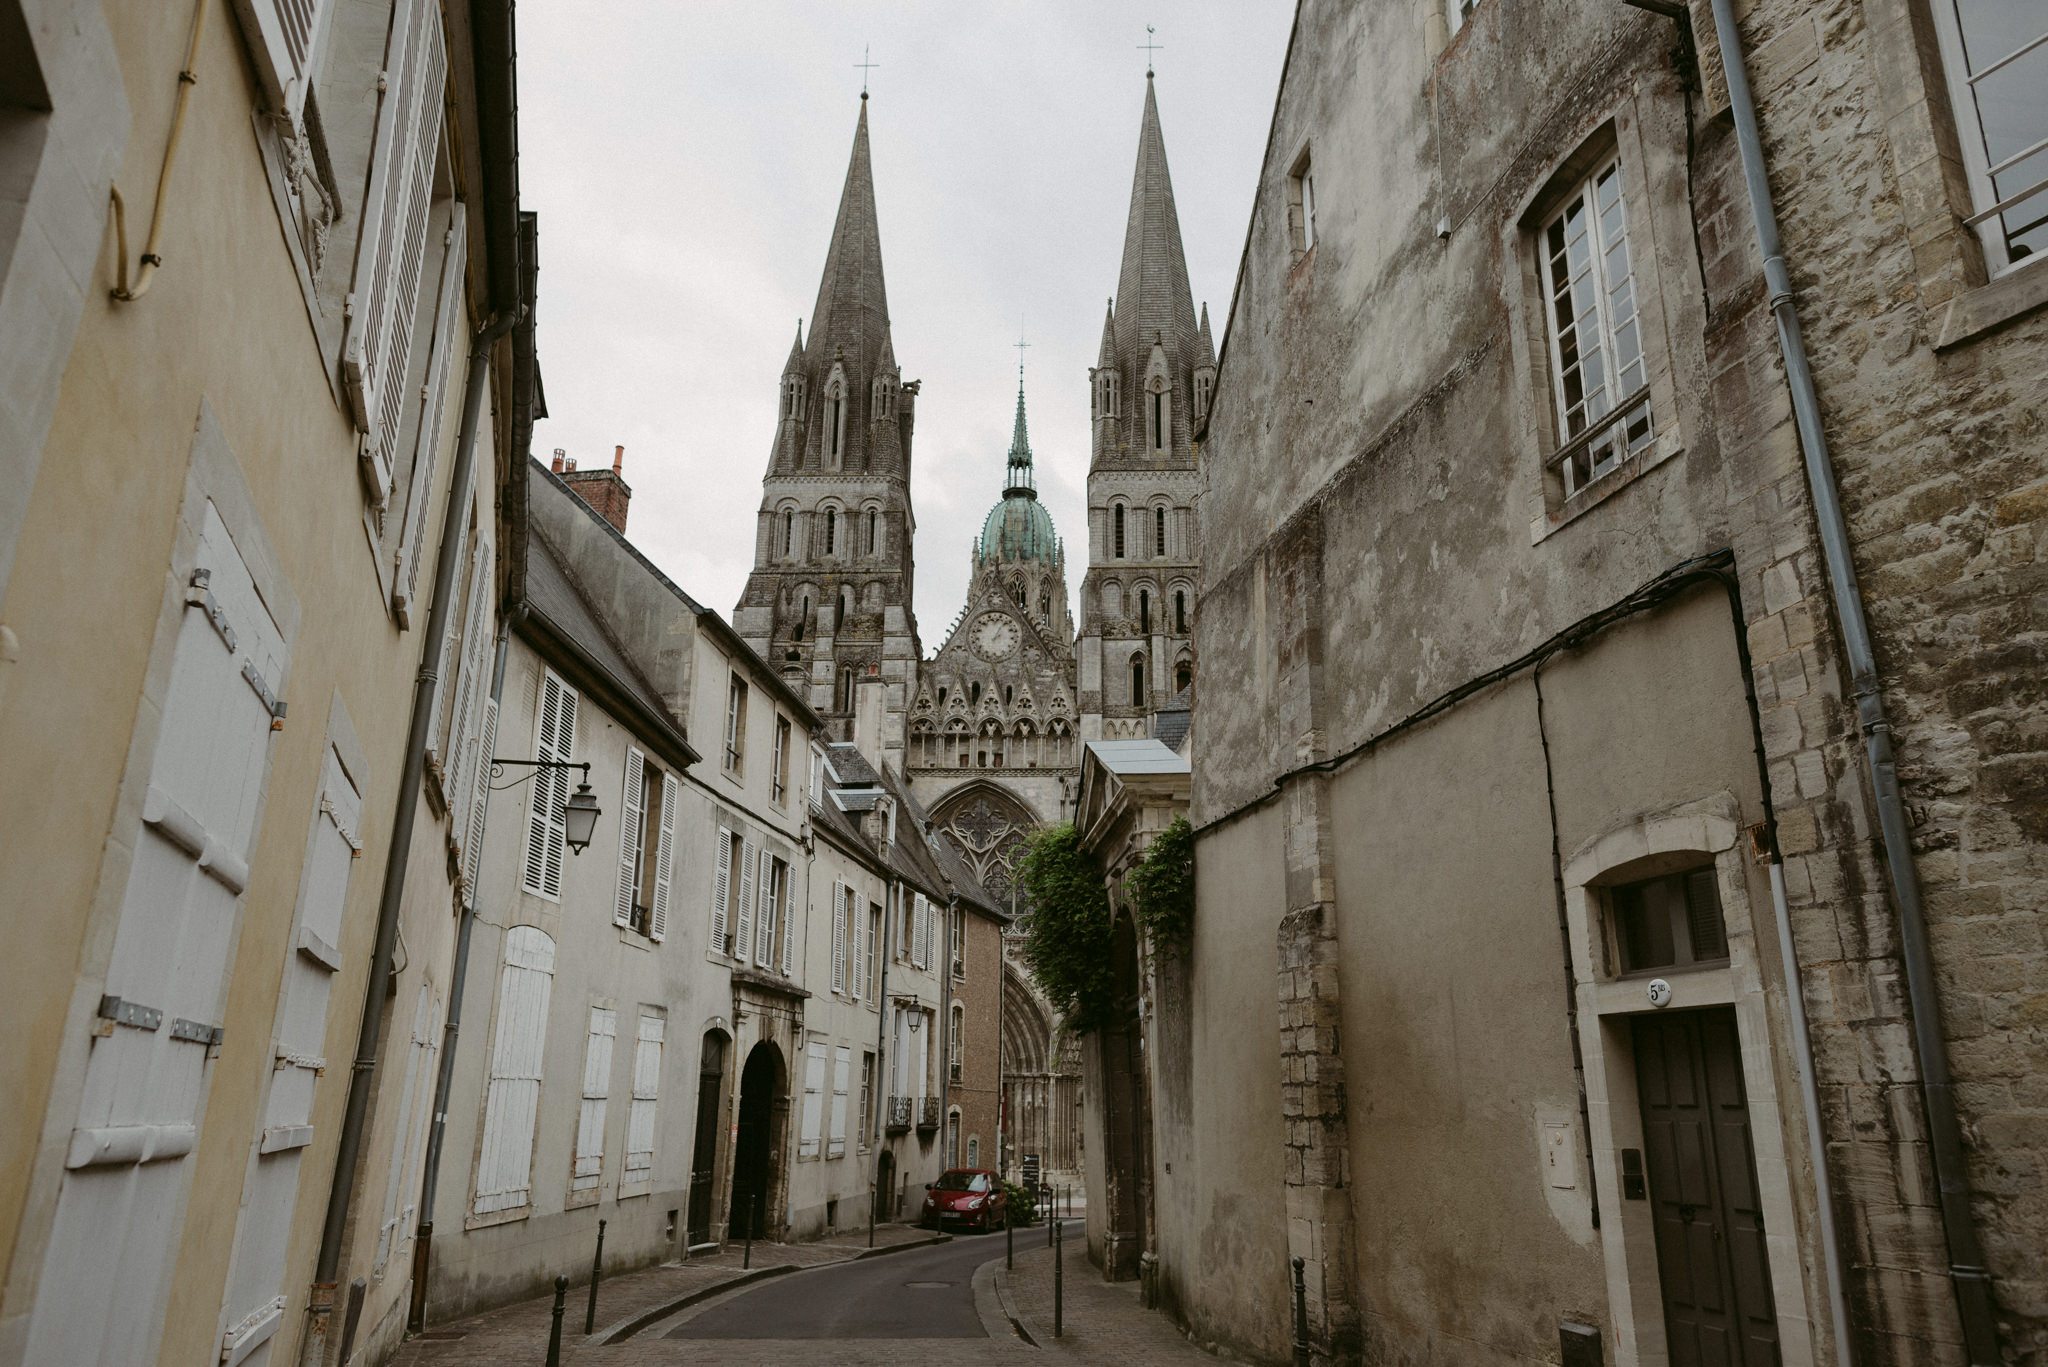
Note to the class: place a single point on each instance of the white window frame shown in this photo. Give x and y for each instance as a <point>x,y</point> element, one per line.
<point>1988,209</point>
<point>735,758</point>
<point>1301,206</point>
<point>1636,432</point>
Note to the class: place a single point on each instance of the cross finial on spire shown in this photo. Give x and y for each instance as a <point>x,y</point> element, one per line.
<point>1149,47</point>
<point>865,66</point>
<point>1020,344</point>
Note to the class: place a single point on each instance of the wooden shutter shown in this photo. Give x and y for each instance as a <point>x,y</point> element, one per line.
<point>839,937</point>
<point>632,834</point>
<point>789,921</point>
<point>451,339</point>
<point>597,1090</point>
<point>814,1088</point>
<point>512,1106</point>
<point>664,857</point>
<point>479,799</point>
<point>394,230</point>
<point>395,1231</point>
<point>285,37</point>
<point>856,931</point>
<point>646,1097</point>
<point>840,1064</point>
<point>545,830</point>
<point>743,933</point>
<point>721,888</point>
<point>462,670</point>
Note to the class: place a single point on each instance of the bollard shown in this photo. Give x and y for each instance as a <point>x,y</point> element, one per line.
<point>1300,1318</point>
<point>1059,1264</point>
<point>1009,1240</point>
<point>596,1275</point>
<point>555,1333</point>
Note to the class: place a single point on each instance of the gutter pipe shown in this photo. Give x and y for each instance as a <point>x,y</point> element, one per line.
<point>454,526</point>
<point>1967,1271</point>
<point>430,1181</point>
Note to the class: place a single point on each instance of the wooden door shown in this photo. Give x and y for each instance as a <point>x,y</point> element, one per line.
<point>1716,1280</point>
<point>704,1156</point>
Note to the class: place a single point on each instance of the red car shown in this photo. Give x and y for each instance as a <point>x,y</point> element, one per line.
<point>972,1197</point>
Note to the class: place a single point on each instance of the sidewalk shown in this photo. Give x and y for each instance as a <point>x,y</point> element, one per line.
<point>511,1333</point>
<point>1104,1324</point>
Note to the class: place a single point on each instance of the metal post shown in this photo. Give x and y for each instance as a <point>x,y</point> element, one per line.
<point>747,1257</point>
<point>1059,1263</point>
<point>1300,1317</point>
<point>1009,1240</point>
<point>555,1333</point>
<point>596,1275</point>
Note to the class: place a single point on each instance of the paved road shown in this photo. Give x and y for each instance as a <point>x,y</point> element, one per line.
<point>927,1293</point>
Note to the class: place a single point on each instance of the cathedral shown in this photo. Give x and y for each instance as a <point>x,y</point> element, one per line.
<point>987,731</point>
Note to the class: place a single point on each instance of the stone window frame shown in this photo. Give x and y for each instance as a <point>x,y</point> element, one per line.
<point>1301,206</point>
<point>1982,195</point>
<point>1647,187</point>
<point>1708,829</point>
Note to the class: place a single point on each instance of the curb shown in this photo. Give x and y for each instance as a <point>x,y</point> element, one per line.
<point>895,1248</point>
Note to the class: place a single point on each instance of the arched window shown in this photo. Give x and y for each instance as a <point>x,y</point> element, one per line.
<point>1044,605</point>
<point>1117,515</point>
<point>833,407</point>
<point>831,530</point>
<point>973,694</point>
<point>788,531</point>
<point>1180,610</point>
<point>1159,532</point>
<point>1008,693</point>
<point>1183,675</point>
<point>1145,611</point>
<point>1159,419</point>
<point>1137,680</point>
<point>797,634</point>
<point>846,690</point>
<point>874,531</point>
<point>845,604</point>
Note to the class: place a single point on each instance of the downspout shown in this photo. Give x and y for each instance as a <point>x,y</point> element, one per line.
<point>454,528</point>
<point>430,1180</point>
<point>882,1008</point>
<point>946,1036</point>
<point>1972,1280</point>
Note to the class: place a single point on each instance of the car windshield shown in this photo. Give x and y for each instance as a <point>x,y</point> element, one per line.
<point>962,1181</point>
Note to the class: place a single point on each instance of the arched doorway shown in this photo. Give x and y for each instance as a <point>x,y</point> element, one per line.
<point>885,1186</point>
<point>753,1165</point>
<point>704,1150</point>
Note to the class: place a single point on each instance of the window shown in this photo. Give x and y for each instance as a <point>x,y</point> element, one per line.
<point>1159,533</point>
<point>974,694</point>
<point>846,690</point>
<point>958,1023</point>
<point>1117,517</point>
<point>842,896</point>
<point>646,840</point>
<point>788,531</point>
<point>814,1093</point>
<point>1009,692</point>
<point>831,530</point>
<point>1996,53</point>
<point>779,777</point>
<point>1204,384</point>
<point>1669,922</point>
<point>735,725</point>
<point>817,775</point>
<point>867,1094</point>
<point>1180,611</point>
<point>1159,416</point>
<point>639,1169</point>
<point>1457,13</point>
<point>842,1058</point>
<point>597,1088</point>
<point>872,969</point>
<point>726,887</point>
<point>1145,611</point>
<point>833,426</point>
<point>1301,208</point>
<point>545,829</point>
<point>855,924</point>
<point>1183,675</point>
<point>1596,347</point>
<point>768,922</point>
<point>959,964</point>
<point>1137,681</point>
<point>874,531</point>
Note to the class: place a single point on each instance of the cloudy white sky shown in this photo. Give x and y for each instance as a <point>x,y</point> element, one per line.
<point>686,161</point>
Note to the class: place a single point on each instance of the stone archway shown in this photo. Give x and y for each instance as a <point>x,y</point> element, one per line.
<point>763,1087</point>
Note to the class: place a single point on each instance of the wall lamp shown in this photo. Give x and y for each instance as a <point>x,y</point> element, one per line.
<point>580,814</point>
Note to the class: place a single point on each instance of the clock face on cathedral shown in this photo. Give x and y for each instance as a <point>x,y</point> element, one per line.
<point>995,636</point>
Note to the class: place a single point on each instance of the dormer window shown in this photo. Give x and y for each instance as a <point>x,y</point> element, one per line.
<point>1205,384</point>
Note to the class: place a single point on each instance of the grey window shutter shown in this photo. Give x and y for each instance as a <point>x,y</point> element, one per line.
<point>451,337</point>
<point>789,921</point>
<point>630,833</point>
<point>479,798</point>
<point>721,890</point>
<point>394,230</point>
<point>664,857</point>
<point>284,42</point>
<point>839,937</point>
<point>743,933</point>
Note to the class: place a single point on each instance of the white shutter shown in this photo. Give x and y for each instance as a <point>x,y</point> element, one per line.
<point>646,1096</point>
<point>789,921</point>
<point>839,937</point>
<point>631,834</point>
<point>461,663</point>
<point>917,915</point>
<point>814,1087</point>
<point>512,1106</point>
<point>766,919</point>
<point>720,889</point>
<point>840,1065</point>
<point>743,933</point>
<point>451,339</point>
<point>856,933</point>
<point>545,830</point>
<point>284,41</point>
<point>394,229</point>
<point>664,857</point>
<point>597,1089</point>
<point>398,1173</point>
<point>479,800</point>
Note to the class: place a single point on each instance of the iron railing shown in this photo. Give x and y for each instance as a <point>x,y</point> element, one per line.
<point>897,1118</point>
<point>928,1113</point>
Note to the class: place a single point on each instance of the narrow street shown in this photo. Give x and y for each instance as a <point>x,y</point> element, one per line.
<point>924,1294</point>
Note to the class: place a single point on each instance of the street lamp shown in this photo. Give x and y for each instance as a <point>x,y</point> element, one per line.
<point>580,814</point>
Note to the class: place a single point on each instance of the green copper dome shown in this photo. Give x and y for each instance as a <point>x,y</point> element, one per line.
<point>1019,527</point>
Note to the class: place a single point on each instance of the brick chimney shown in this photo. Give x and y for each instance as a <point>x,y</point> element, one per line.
<point>604,490</point>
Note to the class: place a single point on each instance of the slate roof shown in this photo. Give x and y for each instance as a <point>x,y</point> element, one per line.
<point>1137,757</point>
<point>1170,723</point>
<point>854,787</point>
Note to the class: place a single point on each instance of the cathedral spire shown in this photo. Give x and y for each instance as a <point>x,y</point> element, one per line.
<point>1152,294</point>
<point>853,307</point>
<point>1020,480</point>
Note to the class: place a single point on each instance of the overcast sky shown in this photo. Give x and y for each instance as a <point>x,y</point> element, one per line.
<point>686,162</point>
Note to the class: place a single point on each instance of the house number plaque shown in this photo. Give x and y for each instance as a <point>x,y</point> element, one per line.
<point>1660,992</point>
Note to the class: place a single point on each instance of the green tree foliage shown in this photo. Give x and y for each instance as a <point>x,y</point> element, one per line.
<point>1067,941</point>
<point>1162,887</point>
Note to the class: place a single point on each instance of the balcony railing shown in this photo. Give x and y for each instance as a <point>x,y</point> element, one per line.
<point>897,1119</point>
<point>928,1113</point>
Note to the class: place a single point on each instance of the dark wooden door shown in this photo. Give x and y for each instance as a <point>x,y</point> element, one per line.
<point>704,1155</point>
<point>1718,1310</point>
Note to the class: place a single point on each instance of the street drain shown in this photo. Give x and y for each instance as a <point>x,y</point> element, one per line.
<point>927,1286</point>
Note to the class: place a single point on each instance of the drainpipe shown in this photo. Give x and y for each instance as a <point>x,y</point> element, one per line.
<point>454,529</point>
<point>430,1180</point>
<point>946,1036</point>
<point>1972,1280</point>
<point>882,1008</point>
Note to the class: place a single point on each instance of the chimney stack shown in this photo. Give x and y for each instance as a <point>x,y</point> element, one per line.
<point>559,453</point>
<point>606,491</point>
